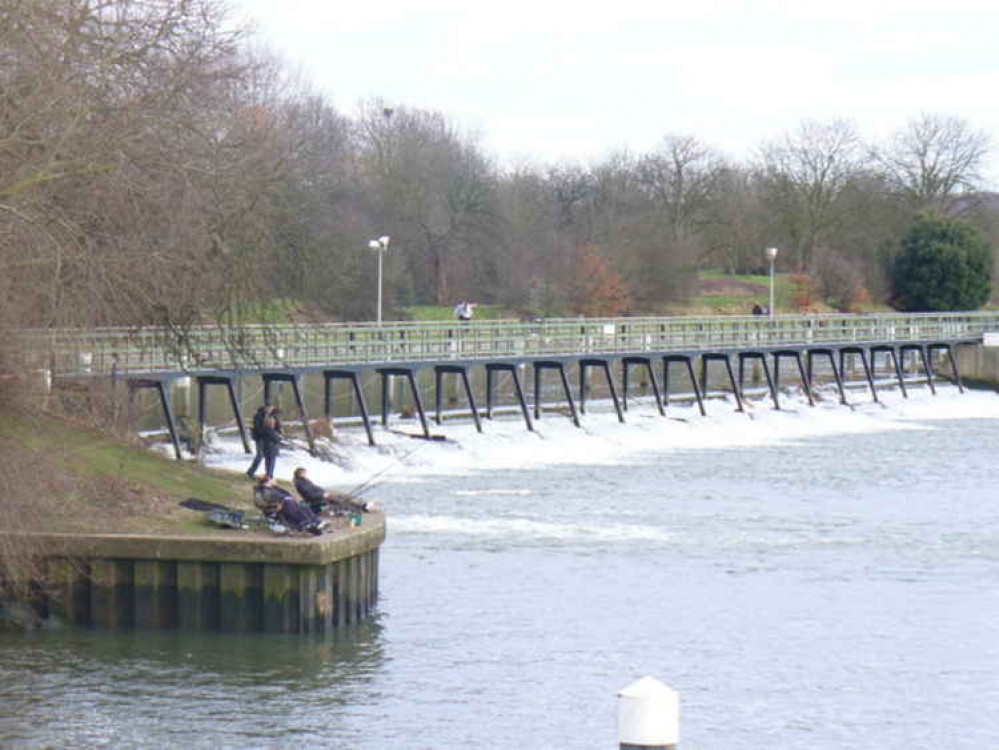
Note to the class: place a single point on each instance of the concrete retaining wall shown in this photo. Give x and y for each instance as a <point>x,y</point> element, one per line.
<point>979,365</point>
<point>233,583</point>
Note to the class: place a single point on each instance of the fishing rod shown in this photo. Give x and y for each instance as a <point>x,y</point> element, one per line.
<point>367,483</point>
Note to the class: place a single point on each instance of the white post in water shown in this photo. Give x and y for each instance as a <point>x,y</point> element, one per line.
<point>648,716</point>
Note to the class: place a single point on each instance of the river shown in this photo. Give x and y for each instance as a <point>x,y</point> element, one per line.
<point>810,578</point>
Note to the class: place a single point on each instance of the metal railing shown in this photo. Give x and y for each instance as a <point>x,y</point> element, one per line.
<point>137,351</point>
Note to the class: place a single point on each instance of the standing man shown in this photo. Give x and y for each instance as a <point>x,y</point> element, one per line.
<point>270,442</point>
<point>258,422</point>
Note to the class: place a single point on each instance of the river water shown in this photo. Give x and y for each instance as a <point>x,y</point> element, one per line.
<point>809,578</point>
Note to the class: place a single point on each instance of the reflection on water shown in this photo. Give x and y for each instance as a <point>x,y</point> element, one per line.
<point>125,688</point>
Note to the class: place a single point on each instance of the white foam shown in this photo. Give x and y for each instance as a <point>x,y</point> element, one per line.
<point>506,444</point>
<point>526,530</point>
<point>478,493</point>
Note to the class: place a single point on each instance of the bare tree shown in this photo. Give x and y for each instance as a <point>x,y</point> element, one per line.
<point>94,95</point>
<point>440,190</point>
<point>933,161</point>
<point>680,177</point>
<point>804,174</point>
<point>735,227</point>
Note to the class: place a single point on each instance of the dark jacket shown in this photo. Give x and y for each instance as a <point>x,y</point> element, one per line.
<point>269,499</point>
<point>270,439</point>
<point>277,504</point>
<point>311,493</point>
<point>258,422</point>
<point>317,499</point>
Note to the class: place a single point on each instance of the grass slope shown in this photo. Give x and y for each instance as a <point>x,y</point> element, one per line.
<point>98,483</point>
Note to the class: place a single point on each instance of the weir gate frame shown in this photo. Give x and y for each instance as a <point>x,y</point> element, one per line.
<point>151,357</point>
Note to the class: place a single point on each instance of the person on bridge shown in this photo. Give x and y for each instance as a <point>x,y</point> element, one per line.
<point>463,311</point>
<point>319,499</point>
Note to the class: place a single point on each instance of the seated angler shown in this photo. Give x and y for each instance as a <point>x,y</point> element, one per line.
<point>277,504</point>
<point>319,499</point>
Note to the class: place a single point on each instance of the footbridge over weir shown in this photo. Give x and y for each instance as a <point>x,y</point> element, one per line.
<point>907,346</point>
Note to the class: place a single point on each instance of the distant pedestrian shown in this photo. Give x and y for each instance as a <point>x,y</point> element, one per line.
<point>758,309</point>
<point>463,311</point>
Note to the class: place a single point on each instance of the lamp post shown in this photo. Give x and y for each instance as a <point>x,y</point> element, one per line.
<point>379,246</point>
<point>771,256</point>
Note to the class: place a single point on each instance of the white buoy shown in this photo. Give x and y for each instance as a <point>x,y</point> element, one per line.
<point>648,716</point>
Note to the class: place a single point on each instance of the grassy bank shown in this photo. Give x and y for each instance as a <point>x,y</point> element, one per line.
<point>94,482</point>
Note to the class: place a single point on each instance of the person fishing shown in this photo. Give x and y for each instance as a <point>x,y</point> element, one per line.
<point>320,500</point>
<point>262,439</point>
<point>258,421</point>
<point>277,504</point>
<point>270,442</point>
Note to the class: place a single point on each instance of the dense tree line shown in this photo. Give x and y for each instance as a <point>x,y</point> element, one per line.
<point>156,167</point>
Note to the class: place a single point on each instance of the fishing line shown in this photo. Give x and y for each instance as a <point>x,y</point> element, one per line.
<point>366,484</point>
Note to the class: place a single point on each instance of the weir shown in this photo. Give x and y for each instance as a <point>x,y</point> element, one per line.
<point>153,358</point>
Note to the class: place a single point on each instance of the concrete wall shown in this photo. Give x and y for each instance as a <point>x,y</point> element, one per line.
<point>979,365</point>
<point>235,582</point>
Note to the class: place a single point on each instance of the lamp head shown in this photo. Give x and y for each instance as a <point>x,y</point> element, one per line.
<point>771,253</point>
<point>375,245</point>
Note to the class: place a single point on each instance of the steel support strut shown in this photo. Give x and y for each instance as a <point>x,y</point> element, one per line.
<point>491,369</point>
<point>602,364</point>
<point>328,377</point>
<point>387,373</point>
<point>811,354</point>
<point>743,356</point>
<point>686,360</point>
<point>646,362</point>
<point>540,367</point>
<point>439,372</point>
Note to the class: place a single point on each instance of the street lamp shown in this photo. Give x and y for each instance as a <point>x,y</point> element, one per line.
<point>771,256</point>
<point>379,246</point>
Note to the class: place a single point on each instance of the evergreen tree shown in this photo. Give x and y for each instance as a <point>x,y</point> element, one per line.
<point>945,264</point>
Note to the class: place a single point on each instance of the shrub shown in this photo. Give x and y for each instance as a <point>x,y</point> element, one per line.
<point>945,264</point>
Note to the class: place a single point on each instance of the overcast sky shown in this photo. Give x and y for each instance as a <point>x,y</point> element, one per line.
<point>573,81</point>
